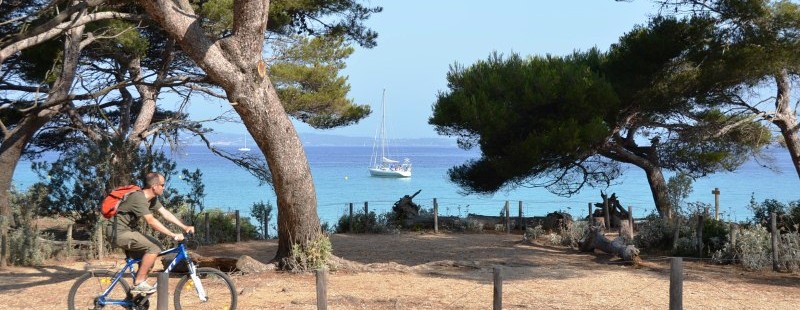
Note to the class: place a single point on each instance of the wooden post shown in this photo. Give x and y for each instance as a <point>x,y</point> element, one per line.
<point>366,207</point>
<point>716,203</point>
<point>497,299</point>
<point>733,235</point>
<point>677,235</point>
<point>208,230</point>
<point>591,215</point>
<point>101,247</point>
<point>265,224</point>
<point>350,222</point>
<point>5,245</point>
<point>520,222</point>
<point>69,240</point>
<point>701,221</point>
<point>775,236</point>
<point>508,219</point>
<point>162,290</point>
<point>238,228</point>
<point>607,217</point>
<point>676,284</point>
<point>630,217</point>
<point>322,289</point>
<point>435,216</point>
<point>367,227</point>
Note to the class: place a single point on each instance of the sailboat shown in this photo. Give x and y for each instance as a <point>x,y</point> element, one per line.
<point>382,165</point>
<point>244,148</point>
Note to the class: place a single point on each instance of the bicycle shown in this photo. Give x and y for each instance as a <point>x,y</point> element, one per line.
<point>200,288</point>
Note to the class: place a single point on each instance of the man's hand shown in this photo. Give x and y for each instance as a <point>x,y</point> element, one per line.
<point>178,237</point>
<point>189,229</point>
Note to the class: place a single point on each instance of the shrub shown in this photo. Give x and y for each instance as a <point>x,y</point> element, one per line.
<point>654,233</point>
<point>223,227</point>
<point>468,225</point>
<point>715,234</point>
<point>573,233</point>
<point>25,248</point>
<point>533,233</point>
<point>789,249</point>
<point>752,248</point>
<point>363,223</point>
<point>313,256</point>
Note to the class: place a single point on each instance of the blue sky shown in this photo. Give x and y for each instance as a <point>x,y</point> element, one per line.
<point>419,40</point>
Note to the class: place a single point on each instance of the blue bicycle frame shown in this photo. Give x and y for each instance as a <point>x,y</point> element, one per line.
<point>181,255</point>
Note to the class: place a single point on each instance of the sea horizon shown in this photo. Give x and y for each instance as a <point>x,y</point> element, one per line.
<point>341,177</point>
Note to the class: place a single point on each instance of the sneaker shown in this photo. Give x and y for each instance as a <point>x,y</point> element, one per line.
<point>143,288</point>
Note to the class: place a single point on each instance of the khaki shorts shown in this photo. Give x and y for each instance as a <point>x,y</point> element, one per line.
<point>136,244</point>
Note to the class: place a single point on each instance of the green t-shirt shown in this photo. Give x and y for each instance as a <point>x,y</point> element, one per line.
<point>132,209</point>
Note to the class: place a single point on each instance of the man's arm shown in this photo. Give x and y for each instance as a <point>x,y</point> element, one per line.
<point>156,224</point>
<point>172,219</point>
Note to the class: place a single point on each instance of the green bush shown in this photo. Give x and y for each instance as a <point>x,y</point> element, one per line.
<point>654,233</point>
<point>363,223</point>
<point>753,248</point>
<point>715,235</point>
<point>314,255</point>
<point>534,233</point>
<point>789,251</point>
<point>223,227</point>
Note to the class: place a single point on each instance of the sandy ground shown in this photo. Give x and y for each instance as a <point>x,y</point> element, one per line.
<point>454,271</point>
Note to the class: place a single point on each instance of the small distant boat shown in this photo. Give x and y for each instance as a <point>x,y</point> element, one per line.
<point>244,148</point>
<point>382,165</point>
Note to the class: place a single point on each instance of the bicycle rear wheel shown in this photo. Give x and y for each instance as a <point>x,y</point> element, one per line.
<point>84,293</point>
<point>218,287</point>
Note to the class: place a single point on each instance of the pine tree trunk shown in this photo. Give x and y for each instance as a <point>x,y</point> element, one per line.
<point>786,118</point>
<point>232,63</point>
<point>658,187</point>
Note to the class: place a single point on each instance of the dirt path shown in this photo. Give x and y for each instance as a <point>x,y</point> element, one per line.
<point>454,271</point>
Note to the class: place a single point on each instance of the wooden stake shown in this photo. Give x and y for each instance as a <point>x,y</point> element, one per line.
<point>497,299</point>
<point>775,236</point>
<point>435,216</point>
<point>238,228</point>
<point>322,289</point>
<point>676,284</point>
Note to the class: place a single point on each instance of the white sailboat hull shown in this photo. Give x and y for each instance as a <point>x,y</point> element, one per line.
<point>389,173</point>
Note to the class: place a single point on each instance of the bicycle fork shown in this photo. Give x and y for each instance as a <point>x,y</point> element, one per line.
<point>198,286</point>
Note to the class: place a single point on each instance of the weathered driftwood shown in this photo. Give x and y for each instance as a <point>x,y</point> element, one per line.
<point>244,264</point>
<point>595,239</point>
<point>617,214</point>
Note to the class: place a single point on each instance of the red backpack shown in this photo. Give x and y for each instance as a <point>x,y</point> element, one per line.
<point>117,196</point>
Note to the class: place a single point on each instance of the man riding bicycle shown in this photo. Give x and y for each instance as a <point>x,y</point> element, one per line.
<point>123,230</point>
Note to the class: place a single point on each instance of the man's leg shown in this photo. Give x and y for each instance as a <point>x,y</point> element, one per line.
<point>148,260</point>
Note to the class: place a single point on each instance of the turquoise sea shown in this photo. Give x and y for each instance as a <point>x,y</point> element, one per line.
<point>341,177</point>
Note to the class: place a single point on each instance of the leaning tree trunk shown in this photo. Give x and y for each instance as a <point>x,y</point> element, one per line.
<point>648,161</point>
<point>658,187</point>
<point>235,63</point>
<point>786,118</point>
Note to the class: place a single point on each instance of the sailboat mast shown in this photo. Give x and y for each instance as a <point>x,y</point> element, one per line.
<point>383,125</point>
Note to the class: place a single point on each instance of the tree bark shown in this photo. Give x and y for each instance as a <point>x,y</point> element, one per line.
<point>786,118</point>
<point>645,158</point>
<point>14,143</point>
<point>232,64</point>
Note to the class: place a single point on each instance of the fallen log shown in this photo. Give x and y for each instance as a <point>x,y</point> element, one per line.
<point>595,239</point>
<point>244,264</point>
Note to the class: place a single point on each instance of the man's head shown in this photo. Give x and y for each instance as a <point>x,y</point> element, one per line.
<point>154,181</point>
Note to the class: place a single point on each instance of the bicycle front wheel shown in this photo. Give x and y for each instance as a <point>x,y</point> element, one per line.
<point>218,286</point>
<point>89,287</point>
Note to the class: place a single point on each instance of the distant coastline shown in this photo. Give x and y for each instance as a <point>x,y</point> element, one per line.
<point>315,139</point>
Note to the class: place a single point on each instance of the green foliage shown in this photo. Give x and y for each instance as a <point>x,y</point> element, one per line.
<point>262,214</point>
<point>223,227</point>
<point>314,255</point>
<point>194,199</point>
<point>753,249</point>
<point>532,117</point>
<point>788,215</point>
<point>715,234</point>
<point>363,223</point>
<point>534,233</point>
<point>307,81</point>
<point>679,187</point>
<point>655,233</point>
<point>80,178</point>
<point>26,248</point>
